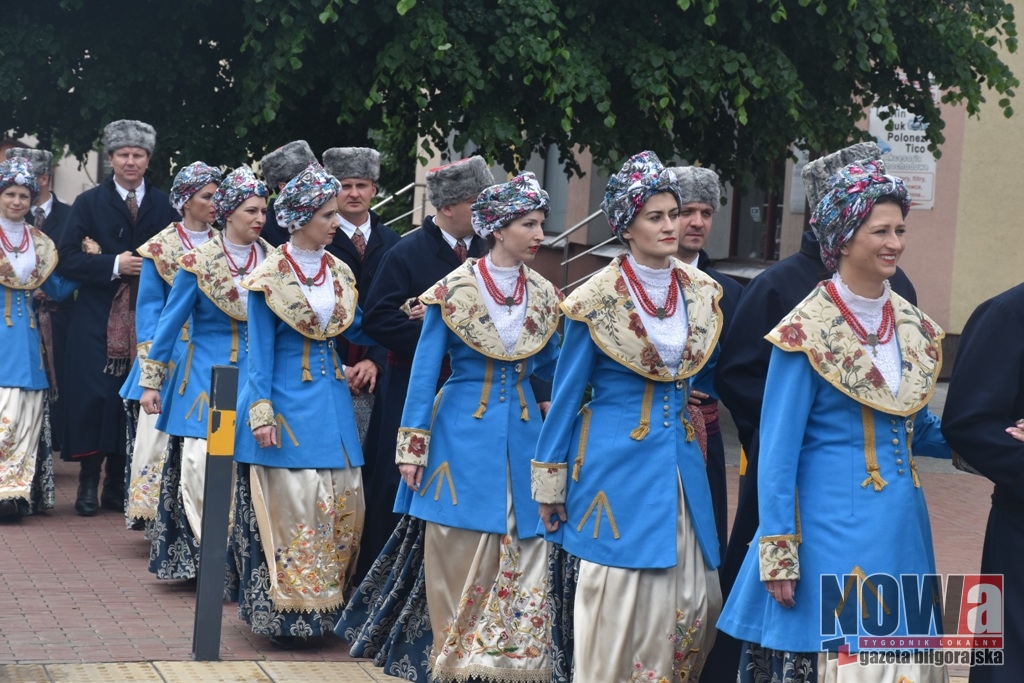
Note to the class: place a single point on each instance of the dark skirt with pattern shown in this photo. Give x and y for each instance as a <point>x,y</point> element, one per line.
<point>175,550</point>
<point>43,492</point>
<point>760,664</point>
<point>253,590</point>
<point>563,576</point>
<point>387,619</point>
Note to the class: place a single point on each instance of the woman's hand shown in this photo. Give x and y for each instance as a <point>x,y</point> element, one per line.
<point>1017,430</point>
<point>697,396</point>
<point>417,312</point>
<point>362,375</point>
<point>552,514</point>
<point>412,475</point>
<point>150,401</point>
<point>265,436</point>
<point>784,591</point>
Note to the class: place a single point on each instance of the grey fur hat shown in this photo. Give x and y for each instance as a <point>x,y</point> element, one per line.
<point>698,184</point>
<point>41,159</point>
<point>816,173</point>
<point>286,162</point>
<point>128,133</point>
<point>352,162</point>
<point>458,181</point>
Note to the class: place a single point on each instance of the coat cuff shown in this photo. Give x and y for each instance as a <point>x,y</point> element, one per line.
<point>142,350</point>
<point>547,481</point>
<point>412,447</point>
<point>151,373</point>
<point>779,558</point>
<point>261,414</point>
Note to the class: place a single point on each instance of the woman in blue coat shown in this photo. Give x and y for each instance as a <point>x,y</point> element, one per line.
<point>207,292</point>
<point>622,481</point>
<point>299,500</point>
<point>843,521</point>
<point>27,261</point>
<point>192,196</point>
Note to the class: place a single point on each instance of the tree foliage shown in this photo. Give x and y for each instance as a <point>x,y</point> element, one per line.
<point>728,83</point>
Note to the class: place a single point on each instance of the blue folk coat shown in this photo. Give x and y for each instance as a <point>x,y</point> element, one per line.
<point>21,362</point>
<point>622,452</point>
<point>837,479</point>
<point>300,387</point>
<point>481,429</point>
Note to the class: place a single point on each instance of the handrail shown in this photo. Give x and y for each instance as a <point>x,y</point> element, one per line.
<point>558,238</point>
<point>392,196</point>
<point>592,249</point>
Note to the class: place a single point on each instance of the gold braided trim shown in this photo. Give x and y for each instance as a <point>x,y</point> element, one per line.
<point>857,575</point>
<point>910,450</point>
<point>486,390</point>
<point>870,455</point>
<point>443,473</point>
<point>338,374</point>
<point>644,428</point>
<point>184,331</point>
<point>437,402</point>
<point>600,503</point>
<point>203,403</point>
<point>7,308</point>
<point>307,376</point>
<point>282,427</point>
<point>234,341</point>
<point>188,369</point>
<point>524,413</point>
<point>581,449</point>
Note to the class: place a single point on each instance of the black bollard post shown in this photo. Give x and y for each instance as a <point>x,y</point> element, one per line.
<point>220,449</point>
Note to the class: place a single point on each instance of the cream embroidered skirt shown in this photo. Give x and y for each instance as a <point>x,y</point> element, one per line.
<point>647,624</point>
<point>487,595</point>
<point>310,522</point>
<point>146,465</point>
<point>21,419</point>
<point>831,672</point>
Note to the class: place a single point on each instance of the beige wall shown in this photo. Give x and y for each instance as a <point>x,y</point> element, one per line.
<point>989,245</point>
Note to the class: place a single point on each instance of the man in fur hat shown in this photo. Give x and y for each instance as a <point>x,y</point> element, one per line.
<point>118,215</point>
<point>406,271</point>
<point>278,167</point>
<point>49,215</point>
<point>361,243</point>
<point>743,368</point>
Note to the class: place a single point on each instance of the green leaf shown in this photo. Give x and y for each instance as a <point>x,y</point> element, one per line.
<point>404,6</point>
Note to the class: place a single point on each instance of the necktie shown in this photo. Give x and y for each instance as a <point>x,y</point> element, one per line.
<point>38,217</point>
<point>133,205</point>
<point>460,251</point>
<point>359,242</point>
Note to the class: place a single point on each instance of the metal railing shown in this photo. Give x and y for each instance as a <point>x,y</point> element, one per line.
<point>422,207</point>
<point>566,259</point>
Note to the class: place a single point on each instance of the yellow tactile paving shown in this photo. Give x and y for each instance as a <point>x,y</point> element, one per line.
<point>212,672</point>
<point>335,672</point>
<point>133,672</point>
<point>23,673</point>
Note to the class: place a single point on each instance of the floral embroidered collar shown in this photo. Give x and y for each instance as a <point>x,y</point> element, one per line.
<point>817,328</point>
<point>604,304</point>
<point>465,312</point>
<point>165,249</point>
<point>276,279</point>
<point>46,261</point>
<point>208,263</point>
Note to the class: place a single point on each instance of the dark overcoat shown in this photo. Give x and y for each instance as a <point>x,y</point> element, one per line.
<point>95,419</point>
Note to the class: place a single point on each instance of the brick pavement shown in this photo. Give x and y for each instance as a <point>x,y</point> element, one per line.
<point>77,591</point>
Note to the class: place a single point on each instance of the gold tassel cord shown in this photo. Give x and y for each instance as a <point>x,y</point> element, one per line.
<point>485,392</point>
<point>524,414</point>
<point>581,449</point>
<point>188,369</point>
<point>644,428</point>
<point>910,451</point>
<point>234,339</point>
<point>306,375</point>
<point>338,374</point>
<point>7,307</point>
<point>870,456</point>
<point>184,331</point>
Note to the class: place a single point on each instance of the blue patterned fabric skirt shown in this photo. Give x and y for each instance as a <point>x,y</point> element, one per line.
<point>175,550</point>
<point>387,619</point>
<point>563,575</point>
<point>760,664</point>
<point>43,489</point>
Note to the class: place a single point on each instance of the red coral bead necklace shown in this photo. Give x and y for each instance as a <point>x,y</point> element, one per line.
<point>250,262</point>
<point>10,248</point>
<point>886,328</point>
<point>186,241</point>
<point>671,299</point>
<point>492,287</point>
<point>310,282</point>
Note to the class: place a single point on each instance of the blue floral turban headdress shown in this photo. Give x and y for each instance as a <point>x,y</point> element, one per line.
<point>238,186</point>
<point>304,195</point>
<point>641,177</point>
<point>853,192</point>
<point>190,180</point>
<point>18,171</point>
<point>499,205</point>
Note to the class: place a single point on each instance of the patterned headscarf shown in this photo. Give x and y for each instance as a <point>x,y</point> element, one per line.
<point>499,205</point>
<point>853,191</point>
<point>238,186</point>
<point>641,177</point>
<point>18,171</point>
<point>304,195</point>
<point>190,180</point>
